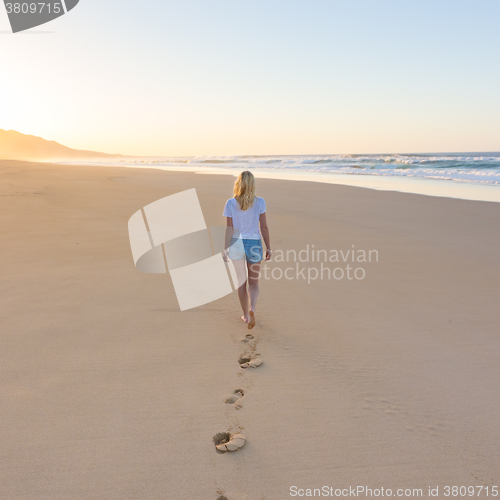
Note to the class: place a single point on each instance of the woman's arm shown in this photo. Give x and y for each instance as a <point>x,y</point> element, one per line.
<point>229,235</point>
<point>265,234</point>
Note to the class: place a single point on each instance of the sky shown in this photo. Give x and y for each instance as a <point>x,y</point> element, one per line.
<point>231,77</point>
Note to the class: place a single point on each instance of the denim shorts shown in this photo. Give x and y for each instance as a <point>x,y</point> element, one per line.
<point>251,249</point>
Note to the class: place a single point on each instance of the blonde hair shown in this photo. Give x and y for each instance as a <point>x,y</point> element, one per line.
<point>244,190</point>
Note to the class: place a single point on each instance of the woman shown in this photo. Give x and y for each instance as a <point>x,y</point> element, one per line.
<point>244,212</point>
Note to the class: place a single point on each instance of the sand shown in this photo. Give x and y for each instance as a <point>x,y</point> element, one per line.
<point>109,391</point>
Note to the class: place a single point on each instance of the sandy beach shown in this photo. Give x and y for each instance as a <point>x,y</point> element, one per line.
<point>108,391</point>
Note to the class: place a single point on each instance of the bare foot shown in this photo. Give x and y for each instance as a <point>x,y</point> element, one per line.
<point>244,319</point>
<point>251,322</point>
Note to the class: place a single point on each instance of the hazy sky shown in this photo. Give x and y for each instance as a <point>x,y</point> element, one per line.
<point>223,77</point>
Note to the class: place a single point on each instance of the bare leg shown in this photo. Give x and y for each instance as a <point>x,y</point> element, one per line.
<point>241,276</point>
<point>243,296</point>
<point>253,290</point>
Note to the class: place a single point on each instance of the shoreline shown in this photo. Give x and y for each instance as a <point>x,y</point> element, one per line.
<point>465,190</point>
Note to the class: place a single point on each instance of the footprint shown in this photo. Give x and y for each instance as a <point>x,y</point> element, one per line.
<point>255,363</point>
<point>221,493</point>
<point>224,441</point>
<point>237,395</point>
<point>249,362</point>
<point>248,338</point>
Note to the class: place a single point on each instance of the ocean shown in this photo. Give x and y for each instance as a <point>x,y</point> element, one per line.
<point>474,176</point>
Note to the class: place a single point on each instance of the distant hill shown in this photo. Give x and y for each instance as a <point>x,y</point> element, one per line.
<point>17,146</point>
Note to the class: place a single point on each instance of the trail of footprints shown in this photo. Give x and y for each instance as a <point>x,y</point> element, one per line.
<point>226,441</point>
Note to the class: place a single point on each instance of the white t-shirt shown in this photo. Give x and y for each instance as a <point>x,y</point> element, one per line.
<point>246,221</point>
